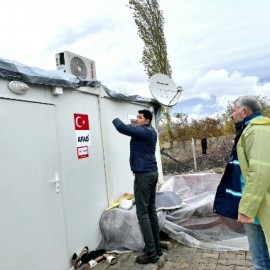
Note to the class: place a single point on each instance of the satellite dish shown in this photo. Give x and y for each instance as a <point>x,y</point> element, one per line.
<point>164,89</point>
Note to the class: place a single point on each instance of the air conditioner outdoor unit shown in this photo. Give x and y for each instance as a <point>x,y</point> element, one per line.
<point>76,65</point>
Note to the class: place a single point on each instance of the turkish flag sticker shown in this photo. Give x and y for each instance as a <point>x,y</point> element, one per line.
<point>81,121</point>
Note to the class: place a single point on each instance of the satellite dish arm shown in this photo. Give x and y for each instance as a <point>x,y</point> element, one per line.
<point>179,91</point>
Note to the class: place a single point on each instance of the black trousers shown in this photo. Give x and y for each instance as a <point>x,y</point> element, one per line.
<point>145,198</point>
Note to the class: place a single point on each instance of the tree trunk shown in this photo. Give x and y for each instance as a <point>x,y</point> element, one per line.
<point>169,125</point>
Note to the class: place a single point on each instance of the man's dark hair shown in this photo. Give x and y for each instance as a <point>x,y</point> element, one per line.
<point>147,114</point>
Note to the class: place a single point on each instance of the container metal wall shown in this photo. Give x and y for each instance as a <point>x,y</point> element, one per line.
<point>37,140</point>
<point>33,232</point>
<point>84,182</point>
<point>117,146</point>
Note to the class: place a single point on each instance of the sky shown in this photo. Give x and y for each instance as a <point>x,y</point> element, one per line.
<point>217,49</point>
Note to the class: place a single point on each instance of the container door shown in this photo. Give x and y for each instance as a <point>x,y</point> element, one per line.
<point>32,218</point>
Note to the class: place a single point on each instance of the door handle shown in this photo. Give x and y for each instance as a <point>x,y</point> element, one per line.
<point>56,180</point>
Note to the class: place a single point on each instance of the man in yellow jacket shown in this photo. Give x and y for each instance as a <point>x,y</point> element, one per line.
<point>253,150</point>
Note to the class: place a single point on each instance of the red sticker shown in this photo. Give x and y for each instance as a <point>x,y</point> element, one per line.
<point>81,121</point>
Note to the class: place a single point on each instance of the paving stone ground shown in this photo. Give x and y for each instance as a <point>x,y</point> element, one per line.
<point>182,257</point>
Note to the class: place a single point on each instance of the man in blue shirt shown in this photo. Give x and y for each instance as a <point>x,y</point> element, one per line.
<point>144,166</point>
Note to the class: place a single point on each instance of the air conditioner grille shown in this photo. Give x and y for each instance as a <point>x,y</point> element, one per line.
<point>78,67</point>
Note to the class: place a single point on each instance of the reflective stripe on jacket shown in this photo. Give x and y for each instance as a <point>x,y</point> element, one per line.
<point>229,192</point>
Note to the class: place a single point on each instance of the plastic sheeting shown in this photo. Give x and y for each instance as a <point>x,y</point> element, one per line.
<point>13,70</point>
<point>137,98</point>
<point>121,232</point>
<point>193,224</point>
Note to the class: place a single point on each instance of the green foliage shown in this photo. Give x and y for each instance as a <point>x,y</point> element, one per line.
<point>150,22</point>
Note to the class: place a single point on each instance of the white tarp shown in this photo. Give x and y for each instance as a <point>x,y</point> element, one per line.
<point>193,224</point>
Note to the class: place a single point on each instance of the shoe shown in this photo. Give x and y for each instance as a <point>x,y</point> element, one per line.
<point>145,258</point>
<point>110,258</point>
<point>159,252</point>
<point>92,255</point>
<point>94,262</point>
<point>77,261</point>
<point>74,260</point>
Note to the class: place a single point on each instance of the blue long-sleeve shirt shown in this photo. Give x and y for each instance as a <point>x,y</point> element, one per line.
<point>142,146</point>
